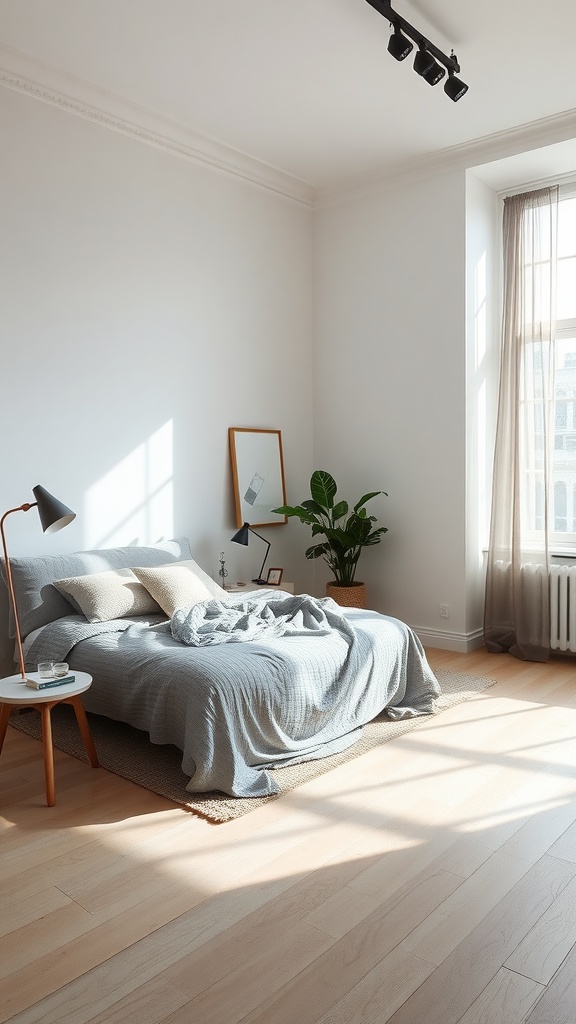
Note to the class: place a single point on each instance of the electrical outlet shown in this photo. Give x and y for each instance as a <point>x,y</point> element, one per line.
<point>444,611</point>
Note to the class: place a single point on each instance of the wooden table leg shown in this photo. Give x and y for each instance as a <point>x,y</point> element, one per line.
<point>4,719</point>
<point>85,733</point>
<point>48,752</point>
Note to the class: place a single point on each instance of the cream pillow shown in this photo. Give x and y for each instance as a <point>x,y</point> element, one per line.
<point>101,596</point>
<point>178,584</point>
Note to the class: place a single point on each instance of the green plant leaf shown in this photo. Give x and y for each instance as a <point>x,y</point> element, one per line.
<point>367,497</point>
<point>341,538</point>
<point>358,528</point>
<point>323,488</point>
<point>313,506</point>
<point>339,510</point>
<point>376,536</point>
<point>287,510</point>
<point>317,551</point>
<point>297,510</point>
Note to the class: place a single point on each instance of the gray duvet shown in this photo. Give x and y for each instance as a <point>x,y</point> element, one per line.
<point>262,616</point>
<point>238,709</point>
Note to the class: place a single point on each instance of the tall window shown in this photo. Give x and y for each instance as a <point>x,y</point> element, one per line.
<point>565,376</point>
<point>534,484</point>
<point>562,496</point>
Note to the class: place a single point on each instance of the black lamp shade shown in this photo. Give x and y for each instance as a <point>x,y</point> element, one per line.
<point>398,45</point>
<point>423,61</point>
<point>242,536</point>
<point>53,514</point>
<point>454,88</point>
<point>435,74</point>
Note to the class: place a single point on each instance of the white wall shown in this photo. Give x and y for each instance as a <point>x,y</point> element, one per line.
<point>148,304</point>
<point>390,390</point>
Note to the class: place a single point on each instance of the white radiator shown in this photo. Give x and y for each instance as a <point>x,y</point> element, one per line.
<point>563,608</point>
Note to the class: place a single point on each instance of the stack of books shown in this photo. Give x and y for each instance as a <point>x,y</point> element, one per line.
<point>44,684</point>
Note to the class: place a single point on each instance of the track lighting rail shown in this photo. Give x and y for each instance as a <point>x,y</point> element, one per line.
<point>453,87</point>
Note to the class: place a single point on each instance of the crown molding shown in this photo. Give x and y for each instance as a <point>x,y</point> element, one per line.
<point>42,82</point>
<point>546,131</point>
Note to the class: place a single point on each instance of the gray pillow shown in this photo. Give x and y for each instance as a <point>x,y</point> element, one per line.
<point>38,600</point>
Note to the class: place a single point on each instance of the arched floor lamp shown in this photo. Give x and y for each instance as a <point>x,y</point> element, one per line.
<point>54,516</point>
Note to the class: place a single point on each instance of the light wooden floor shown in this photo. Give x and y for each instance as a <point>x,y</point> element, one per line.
<point>432,881</point>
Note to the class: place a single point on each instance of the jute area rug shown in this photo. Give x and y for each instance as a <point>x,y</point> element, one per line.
<point>128,752</point>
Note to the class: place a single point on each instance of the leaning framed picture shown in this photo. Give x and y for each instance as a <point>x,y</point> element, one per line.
<point>257,475</point>
<point>274,578</point>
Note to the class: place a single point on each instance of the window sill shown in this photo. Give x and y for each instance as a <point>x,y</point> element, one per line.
<point>553,552</point>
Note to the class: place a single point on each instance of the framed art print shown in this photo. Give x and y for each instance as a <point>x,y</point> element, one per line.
<point>257,475</point>
<point>274,578</point>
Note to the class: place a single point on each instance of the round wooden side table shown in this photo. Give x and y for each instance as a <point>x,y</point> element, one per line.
<point>15,693</point>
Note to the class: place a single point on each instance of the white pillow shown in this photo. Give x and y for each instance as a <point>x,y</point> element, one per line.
<point>178,584</point>
<point>113,594</point>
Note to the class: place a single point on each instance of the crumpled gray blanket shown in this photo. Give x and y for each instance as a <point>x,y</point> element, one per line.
<point>215,622</point>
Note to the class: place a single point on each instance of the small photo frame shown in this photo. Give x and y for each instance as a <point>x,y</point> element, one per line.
<point>274,577</point>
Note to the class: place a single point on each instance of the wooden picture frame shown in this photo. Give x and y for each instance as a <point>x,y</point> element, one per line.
<point>274,578</point>
<point>257,475</point>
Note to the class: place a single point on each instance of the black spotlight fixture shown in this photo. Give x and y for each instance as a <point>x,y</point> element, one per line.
<point>398,45</point>
<point>423,61</point>
<point>430,62</point>
<point>434,74</point>
<point>454,88</point>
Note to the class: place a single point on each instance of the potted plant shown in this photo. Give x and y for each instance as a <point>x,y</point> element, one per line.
<point>346,533</point>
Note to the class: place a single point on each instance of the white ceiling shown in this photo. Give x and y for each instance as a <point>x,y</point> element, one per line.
<point>307,86</point>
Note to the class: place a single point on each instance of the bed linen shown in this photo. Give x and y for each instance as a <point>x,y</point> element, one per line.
<point>220,622</point>
<point>238,710</point>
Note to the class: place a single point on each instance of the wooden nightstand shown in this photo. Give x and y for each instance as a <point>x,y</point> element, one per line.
<point>15,693</point>
<point>251,587</point>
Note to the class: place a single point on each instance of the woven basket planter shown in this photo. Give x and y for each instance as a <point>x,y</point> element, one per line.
<point>348,595</point>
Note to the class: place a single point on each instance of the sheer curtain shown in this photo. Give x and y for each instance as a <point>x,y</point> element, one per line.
<point>517,607</point>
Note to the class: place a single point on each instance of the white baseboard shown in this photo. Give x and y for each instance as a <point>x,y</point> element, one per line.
<point>462,643</point>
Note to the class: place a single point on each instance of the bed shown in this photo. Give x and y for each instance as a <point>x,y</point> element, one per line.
<point>241,684</point>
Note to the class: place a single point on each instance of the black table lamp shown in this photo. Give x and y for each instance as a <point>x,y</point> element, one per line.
<point>243,536</point>
<point>53,516</point>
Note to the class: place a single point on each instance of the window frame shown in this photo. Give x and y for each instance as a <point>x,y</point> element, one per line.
<point>561,542</point>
